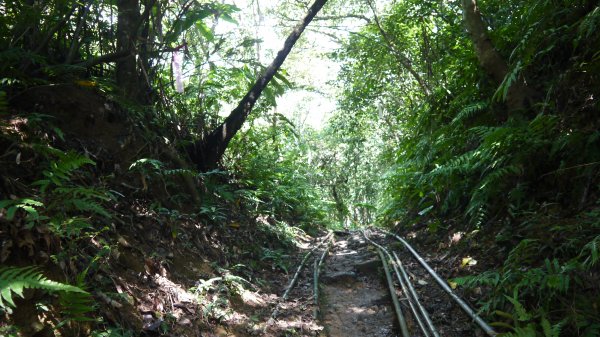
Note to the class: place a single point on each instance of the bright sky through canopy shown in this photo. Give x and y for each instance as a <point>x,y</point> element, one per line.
<point>308,67</point>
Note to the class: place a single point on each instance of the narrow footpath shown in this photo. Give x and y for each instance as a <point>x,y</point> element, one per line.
<point>354,295</point>
<point>356,302</point>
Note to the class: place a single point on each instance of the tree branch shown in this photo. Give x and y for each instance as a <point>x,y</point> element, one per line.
<point>113,57</point>
<point>341,17</point>
<point>210,150</point>
<point>403,60</point>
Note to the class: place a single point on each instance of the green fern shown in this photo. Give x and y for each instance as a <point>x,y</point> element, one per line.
<point>592,249</point>
<point>592,330</point>
<point>75,306</point>
<point>3,103</point>
<point>552,330</point>
<point>65,194</point>
<point>528,331</point>
<point>588,26</point>
<point>525,252</point>
<point>490,278</point>
<point>141,164</point>
<point>511,77</point>
<point>542,126</point>
<point>155,166</point>
<point>16,280</point>
<point>61,170</point>
<point>469,111</point>
<point>82,199</point>
<point>28,205</point>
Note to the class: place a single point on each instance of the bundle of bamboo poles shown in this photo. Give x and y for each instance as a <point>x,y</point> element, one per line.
<point>327,239</point>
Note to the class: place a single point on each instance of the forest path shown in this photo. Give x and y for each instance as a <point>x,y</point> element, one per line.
<point>354,297</point>
<point>355,302</point>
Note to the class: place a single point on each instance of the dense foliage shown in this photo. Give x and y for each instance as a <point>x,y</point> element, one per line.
<point>439,127</point>
<point>460,158</point>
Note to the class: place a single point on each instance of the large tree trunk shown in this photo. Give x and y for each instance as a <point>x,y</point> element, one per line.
<point>208,152</point>
<point>518,95</point>
<point>127,27</point>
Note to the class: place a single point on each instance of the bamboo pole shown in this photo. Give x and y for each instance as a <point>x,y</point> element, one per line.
<point>412,301</point>
<point>297,275</point>
<point>290,285</point>
<point>414,295</point>
<point>388,276</point>
<point>316,279</point>
<point>316,290</point>
<point>461,303</point>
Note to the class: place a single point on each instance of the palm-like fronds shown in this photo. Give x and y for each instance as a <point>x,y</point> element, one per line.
<point>14,280</point>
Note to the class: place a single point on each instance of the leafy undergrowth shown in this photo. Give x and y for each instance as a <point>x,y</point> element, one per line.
<point>538,277</point>
<point>127,248</point>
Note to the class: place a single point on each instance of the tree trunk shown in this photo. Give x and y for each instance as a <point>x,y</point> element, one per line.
<point>127,27</point>
<point>75,39</point>
<point>518,95</point>
<point>207,153</point>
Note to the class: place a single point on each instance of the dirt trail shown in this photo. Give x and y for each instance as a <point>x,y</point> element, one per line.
<point>354,297</point>
<point>356,302</point>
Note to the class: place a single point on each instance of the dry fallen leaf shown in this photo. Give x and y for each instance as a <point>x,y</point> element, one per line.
<point>468,261</point>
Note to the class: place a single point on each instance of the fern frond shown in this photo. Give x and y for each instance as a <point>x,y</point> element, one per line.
<point>528,331</point>
<point>522,314</point>
<point>498,176</point>
<point>16,280</point>
<point>542,125</point>
<point>588,25</point>
<point>75,305</point>
<point>87,205</point>
<point>139,164</point>
<point>552,330</point>
<point>525,251</point>
<point>509,79</point>
<point>469,111</point>
<point>592,248</point>
<point>462,164</point>
<point>490,278</point>
<point>181,172</point>
<point>3,103</point>
<point>592,331</point>
<point>71,161</point>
